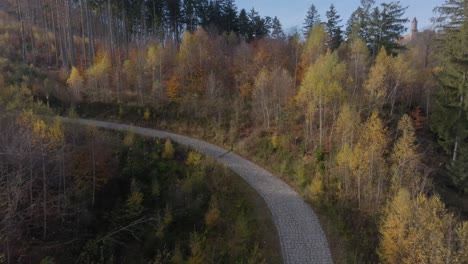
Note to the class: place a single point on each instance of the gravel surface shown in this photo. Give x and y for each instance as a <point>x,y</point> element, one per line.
<point>301,237</point>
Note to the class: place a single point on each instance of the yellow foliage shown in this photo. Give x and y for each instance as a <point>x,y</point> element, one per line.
<point>146,114</point>
<point>168,152</point>
<point>193,159</point>
<point>427,234</point>
<point>173,88</point>
<point>376,84</point>
<point>152,55</point>
<point>367,162</point>
<point>421,230</point>
<point>275,140</point>
<point>322,82</point>
<point>75,82</point>
<point>315,46</point>
<point>129,139</point>
<point>50,137</point>
<point>461,247</point>
<point>347,125</point>
<point>213,215</point>
<point>134,204</point>
<point>405,159</point>
<point>101,68</point>
<point>197,249</point>
<point>26,119</point>
<point>316,188</point>
<point>393,230</point>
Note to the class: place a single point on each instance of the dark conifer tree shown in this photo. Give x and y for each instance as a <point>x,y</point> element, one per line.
<point>312,19</point>
<point>333,28</point>
<point>450,115</point>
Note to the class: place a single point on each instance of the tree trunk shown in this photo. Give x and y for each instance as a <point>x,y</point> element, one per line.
<point>23,40</point>
<point>111,35</point>
<point>70,35</point>
<point>44,189</point>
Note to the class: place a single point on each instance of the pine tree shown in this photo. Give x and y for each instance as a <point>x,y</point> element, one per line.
<point>391,26</point>
<point>359,21</point>
<point>333,28</point>
<point>450,116</point>
<point>244,24</point>
<point>312,19</point>
<point>378,27</point>
<point>277,30</point>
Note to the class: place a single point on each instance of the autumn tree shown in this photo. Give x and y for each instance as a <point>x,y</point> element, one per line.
<point>359,63</point>
<point>271,93</point>
<point>154,63</point>
<point>97,77</point>
<point>168,152</point>
<point>368,164</point>
<point>320,90</point>
<point>405,168</point>
<point>75,83</point>
<point>386,78</point>
<point>420,230</point>
<point>315,46</point>
<point>393,230</point>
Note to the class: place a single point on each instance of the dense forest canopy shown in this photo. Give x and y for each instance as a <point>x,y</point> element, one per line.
<point>369,125</point>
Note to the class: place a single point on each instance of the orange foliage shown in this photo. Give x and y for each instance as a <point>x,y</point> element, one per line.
<point>173,87</point>
<point>418,117</point>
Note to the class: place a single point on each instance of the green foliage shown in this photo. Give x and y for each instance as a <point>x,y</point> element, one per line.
<point>333,28</point>
<point>378,27</point>
<point>450,116</point>
<point>134,204</point>
<point>96,251</point>
<point>47,260</point>
<point>312,19</point>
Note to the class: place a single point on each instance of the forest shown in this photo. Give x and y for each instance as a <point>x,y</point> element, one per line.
<point>368,124</point>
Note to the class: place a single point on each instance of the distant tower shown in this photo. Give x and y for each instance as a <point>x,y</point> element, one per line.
<point>414,28</point>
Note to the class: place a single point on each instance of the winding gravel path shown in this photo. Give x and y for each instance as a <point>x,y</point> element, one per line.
<point>301,237</point>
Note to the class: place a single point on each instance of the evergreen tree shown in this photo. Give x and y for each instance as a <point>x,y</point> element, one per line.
<point>259,26</point>
<point>230,19</point>
<point>378,27</point>
<point>450,116</point>
<point>359,21</point>
<point>312,19</point>
<point>333,28</point>
<point>244,24</point>
<point>391,26</point>
<point>277,30</point>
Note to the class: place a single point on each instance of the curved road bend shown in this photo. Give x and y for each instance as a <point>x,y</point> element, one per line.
<point>301,237</point>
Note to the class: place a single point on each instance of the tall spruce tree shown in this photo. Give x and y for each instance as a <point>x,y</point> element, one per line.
<point>276,29</point>
<point>333,28</point>
<point>312,19</point>
<point>379,27</point>
<point>450,116</point>
<point>244,24</point>
<point>359,21</point>
<point>391,26</point>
